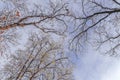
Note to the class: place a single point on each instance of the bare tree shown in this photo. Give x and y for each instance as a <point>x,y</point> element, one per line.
<point>99,21</point>
<point>93,16</point>
<point>41,60</point>
<point>44,59</point>
<point>18,15</point>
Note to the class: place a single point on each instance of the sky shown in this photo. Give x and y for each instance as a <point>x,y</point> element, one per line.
<point>90,65</point>
<point>94,66</point>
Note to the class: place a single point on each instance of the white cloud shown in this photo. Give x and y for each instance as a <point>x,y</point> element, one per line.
<point>94,66</point>
<point>113,73</point>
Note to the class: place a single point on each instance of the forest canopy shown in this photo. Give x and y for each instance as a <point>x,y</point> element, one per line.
<point>37,36</point>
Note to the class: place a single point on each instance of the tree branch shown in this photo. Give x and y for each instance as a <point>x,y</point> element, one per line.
<point>116,2</point>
